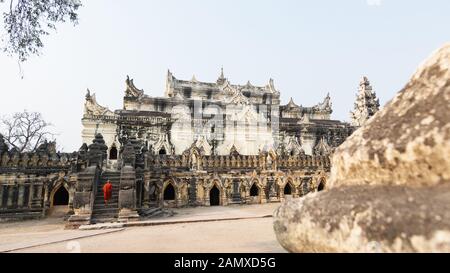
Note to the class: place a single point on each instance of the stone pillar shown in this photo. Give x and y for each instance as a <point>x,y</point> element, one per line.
<point>10,196</point>
<point>146,194</point>
<point>38,201</point>
<point>206,197</point>
<point>308,141</point>
<point>273,197</point>
<point>20,201</point>
<point>46,199</point>
<point>192,191</point>
<point>29,196</point>
<point>236,196</point>
<point>1,196</point>
<point>263,195</point>
<point>127,195</point>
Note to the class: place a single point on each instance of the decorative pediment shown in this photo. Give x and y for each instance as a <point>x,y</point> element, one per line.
<point>163,143</point>
<point>234,151</point>
<point>271,87</point>
<point>132,91</point>
<point>91,107</point>
<point>293,147</point>
<point>202,143</point>
<point>292,104</point>
<point>234,94</point>
<point>322,148</point>
<point>325,106</point>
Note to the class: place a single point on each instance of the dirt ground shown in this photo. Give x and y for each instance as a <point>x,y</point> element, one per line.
<point>235,236</point>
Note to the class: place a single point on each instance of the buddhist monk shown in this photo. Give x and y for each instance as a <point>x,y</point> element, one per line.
<point>107,191</point>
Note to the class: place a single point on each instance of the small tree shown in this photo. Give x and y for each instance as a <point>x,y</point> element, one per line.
<point>25,131</point>
<point>26,21</point>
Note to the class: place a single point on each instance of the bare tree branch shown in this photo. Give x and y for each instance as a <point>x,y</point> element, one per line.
<point>29,20</point>
<point>25,131</point>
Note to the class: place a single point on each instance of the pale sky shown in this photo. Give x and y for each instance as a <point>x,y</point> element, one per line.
<point>308,47</point>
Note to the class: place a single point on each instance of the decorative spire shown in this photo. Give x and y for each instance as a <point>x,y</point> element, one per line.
<point>221,80</point>
<point>292,104</point>
<point>367,104</point>
<point>193,79</point>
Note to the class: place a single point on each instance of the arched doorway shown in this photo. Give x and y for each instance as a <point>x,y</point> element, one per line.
<point>214,196</point>
<point>162,151</point>
<point>169,193</point>
<point>254,191</point>
<point>113,153</point>
<point>287,189</point>
<point>61,197</point>
<point>321,186</point>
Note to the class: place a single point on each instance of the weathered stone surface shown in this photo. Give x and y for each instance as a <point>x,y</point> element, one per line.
<point>81,199</point>
<point>367,219</point>
<point>389,189</point>
<point>408,142</point>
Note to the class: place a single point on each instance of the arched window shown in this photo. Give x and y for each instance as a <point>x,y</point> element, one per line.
<point>113,153</point>
<point>162,151</point>
<point>287,189</point>
<point>254,191</point>
<point>169,192</point>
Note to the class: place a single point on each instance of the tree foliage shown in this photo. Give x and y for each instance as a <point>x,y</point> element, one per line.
<point>27,21</point>
<point>25,131</point>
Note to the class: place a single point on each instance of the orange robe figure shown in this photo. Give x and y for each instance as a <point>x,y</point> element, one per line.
<point>107,191</point>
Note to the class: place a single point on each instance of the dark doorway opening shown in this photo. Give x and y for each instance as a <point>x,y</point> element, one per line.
<point>287,189</point>
<point>61,197</point>
<point>162,151</point>
<point>113,153</point>
<point>214,196</point>
<point>169,192</point>
<point>254,191</point>
<point>321,186</point>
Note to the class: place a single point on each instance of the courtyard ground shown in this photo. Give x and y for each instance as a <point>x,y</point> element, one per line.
<point>202,229</point>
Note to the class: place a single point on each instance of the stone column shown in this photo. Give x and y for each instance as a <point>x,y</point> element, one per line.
<point>273,197</point>
<point>236,196</point>
<point>263,195</point>
<point>20,200</point>
<point>192,191</point>
<point>207,201</point>
<point>1,196</point>
<point>10,196</point>
<point>308,141</point>
<point>30,195</point>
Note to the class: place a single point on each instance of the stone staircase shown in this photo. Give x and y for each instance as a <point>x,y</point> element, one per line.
<point>107,213</point>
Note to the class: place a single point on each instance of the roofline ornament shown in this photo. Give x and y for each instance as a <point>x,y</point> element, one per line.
<point>132,91</point>
<point>91,106</point>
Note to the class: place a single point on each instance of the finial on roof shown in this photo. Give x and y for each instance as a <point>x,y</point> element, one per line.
<point>221,78</point>
<point>291,103</point>
<point>193,79</point>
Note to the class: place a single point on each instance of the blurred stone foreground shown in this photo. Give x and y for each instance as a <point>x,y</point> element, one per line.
<point>390,181</point>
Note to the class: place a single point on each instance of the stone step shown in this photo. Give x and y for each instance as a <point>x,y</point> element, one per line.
<point>101,197</point>
<point>105,215</point>
<point>104,220</point>
<point>101,211</point>
<point>102,202</point>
